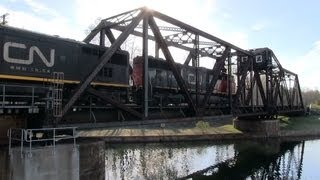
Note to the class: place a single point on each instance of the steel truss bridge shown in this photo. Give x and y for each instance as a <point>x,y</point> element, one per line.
<point>264,89</point>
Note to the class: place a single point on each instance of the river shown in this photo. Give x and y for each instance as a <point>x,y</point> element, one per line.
<point>263,159</point>
<point>269,159</point>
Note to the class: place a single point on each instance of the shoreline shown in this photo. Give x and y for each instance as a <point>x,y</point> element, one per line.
<point>286,135</point>
<point>291,128</point>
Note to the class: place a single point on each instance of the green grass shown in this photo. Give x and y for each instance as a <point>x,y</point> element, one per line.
<point>315,107</point>
<point>300,123</point>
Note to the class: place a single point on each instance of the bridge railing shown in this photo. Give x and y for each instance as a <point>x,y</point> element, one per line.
<point>28,138</point>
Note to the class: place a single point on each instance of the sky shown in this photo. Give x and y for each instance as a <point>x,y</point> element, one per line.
<point>291,28</point>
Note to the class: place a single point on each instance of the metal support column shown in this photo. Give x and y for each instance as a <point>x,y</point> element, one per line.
<point>102,37</point>
<point>146,68</point>
<point>110,36</point>
<point>103,60</point>
<point>156,48</point>
<point>299,91</point>
<point>164,47</point>
<point>196,65</point>
<point>3,95</point>
<point>260,86</point>
<point>216,71</point>
<point>251,84</point>
<point>229,83</point>
<point>188,59</point>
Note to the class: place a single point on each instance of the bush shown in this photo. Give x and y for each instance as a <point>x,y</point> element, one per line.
<point>202,125</point>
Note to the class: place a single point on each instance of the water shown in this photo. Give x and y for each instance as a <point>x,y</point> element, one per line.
<point>268,159</point>
<point>240,160</point>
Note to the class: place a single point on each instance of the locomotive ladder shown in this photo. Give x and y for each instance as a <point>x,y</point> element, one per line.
<point>57,89</point>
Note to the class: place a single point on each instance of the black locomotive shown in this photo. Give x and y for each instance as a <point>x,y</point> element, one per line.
<point>164,87</point>
<point>29,60</point>
<point>30,56</point>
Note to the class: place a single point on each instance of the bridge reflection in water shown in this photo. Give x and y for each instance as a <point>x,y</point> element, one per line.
<point>241,160</point>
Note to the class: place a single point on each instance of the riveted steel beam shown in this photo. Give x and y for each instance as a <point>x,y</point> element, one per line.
<point>169,43</point>
<point>146,66</point>
<point>92,34</point>
<point>115,103</point>
<point>220,62</point>
<point>197,31</point>
<point>110,35</point>
<point>299,92</point>
<point>103,60</point>
<point>250,92</point>
<point>166,52</point>
<point>241,83</point>
<point>189,57</point>
<point>102,37</point>
<point>260,86</point>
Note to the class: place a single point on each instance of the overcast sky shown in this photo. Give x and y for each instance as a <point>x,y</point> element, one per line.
<point>291,28</point>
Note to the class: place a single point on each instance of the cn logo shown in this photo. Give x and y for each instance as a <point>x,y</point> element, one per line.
<point>33,49</point>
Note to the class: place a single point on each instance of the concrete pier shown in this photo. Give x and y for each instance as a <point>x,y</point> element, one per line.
<point>268,127</point>
<point>61,162</point>
<point>64,162</point>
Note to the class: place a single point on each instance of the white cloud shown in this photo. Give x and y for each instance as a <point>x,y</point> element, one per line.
<point>38,7</point>
<point>55,25</point>
<point>189,11</point>
<point>258,26</point>
<point>307,67</point>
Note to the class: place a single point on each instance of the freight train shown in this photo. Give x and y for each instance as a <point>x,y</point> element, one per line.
<point>28,60</point>
<point>165,87</point>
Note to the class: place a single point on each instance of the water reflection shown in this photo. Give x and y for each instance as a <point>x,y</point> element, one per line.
<point>162,161</point>
<point>241,160</point>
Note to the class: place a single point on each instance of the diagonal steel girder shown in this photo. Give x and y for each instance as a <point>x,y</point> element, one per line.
<point>166,52</point>
<point>110,35</point>
<point>276,93</point>
<point>299,91</point>
<point>189,57</point>
<point>260,86</point>
<point>114,102</point>
<point>216,71</point>
<point>194,30</point>
<point>103,60</point>
<point>121,18</point>
<point>169,43</point>
<point>248,99</point>
<point>241,83</point>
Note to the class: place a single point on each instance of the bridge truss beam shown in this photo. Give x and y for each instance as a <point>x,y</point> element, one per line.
<point>198,44</point>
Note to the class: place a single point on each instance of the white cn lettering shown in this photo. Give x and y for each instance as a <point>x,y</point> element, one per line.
<point>44,59</point>
<point>6,57</point>
<point>32,50</point>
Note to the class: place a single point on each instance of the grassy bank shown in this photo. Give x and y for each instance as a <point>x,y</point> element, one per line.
<point>302,125</point>
<point>311,122</point>
<point>201,128</point>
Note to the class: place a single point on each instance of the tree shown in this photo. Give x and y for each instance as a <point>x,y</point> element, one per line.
<point>311,96</point>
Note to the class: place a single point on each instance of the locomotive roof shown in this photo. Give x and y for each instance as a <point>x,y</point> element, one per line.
<point>20,30</point>
<point>51,37</point>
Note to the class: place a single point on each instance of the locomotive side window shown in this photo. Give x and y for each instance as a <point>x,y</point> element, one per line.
<point>107,72</point>
<point>244,59</point>
<point>191,79</point>
<point>258,58</point>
